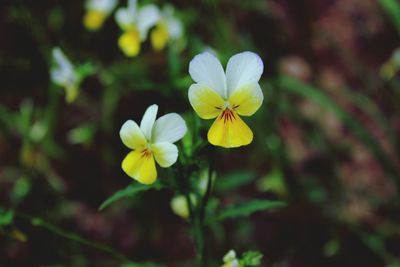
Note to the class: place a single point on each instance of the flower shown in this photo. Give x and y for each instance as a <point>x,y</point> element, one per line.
<point>64,75</point>
<point>96,13</point>
<point>168,29</point>
<point>135,22</point>
<point>230,259</point>
<point>153,140</point>
<point>225,96</point>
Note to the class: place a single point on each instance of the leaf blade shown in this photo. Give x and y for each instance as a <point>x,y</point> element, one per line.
<point>129,191</point>
<point>248,208</point>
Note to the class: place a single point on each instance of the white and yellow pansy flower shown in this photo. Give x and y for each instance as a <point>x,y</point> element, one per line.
<point>135,22</point>
<point>63,74</point>
<point>96,13</point>
<point>226,95</point>
<point>151,142</point>
<point>230,259</point>
<point>168,29</point>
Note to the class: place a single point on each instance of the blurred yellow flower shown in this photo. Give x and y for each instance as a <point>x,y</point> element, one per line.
<point>152,141</point>
<point>230,259</point>
<point>64,75</point>
<point>135,22</point>
<point>169,28</point>
<point>96,13</point>
<point>226,96</point>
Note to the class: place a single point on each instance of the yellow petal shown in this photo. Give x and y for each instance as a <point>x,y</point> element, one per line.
<point>246,100</point>
<point>159,37</point>
<point>140,165</point>
<point>229,130</point>
<point>129,42</point>
<point>207,103</point>
<point>93,20</point>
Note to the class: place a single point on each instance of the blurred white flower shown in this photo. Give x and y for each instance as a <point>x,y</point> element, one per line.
<point>64,74</point>
<point>135,22</point>
<point>230,259</point>
<point>169,28</point>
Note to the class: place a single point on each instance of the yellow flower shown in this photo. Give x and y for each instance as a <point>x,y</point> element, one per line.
<point>135,22</point>
<point>230,259</point>
<point>96,13</point>
<point>64,75</point>
<point>226,96</point>
<point>151,142</point>
<point>169,28</point>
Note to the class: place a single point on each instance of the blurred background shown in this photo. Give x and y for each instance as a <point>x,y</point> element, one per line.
<point>326,137</point>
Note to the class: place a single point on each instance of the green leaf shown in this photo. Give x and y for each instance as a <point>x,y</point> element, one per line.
<point>247,208</point>
<point>6,217</point>
<point>129,191</point>
<point>234,180</point>
<point>392,8</point>
<point>82,134</point>
<point>251,258</point>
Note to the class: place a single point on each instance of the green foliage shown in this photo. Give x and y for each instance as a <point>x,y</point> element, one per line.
<point>234,180</point>
<point>248,208</point>
<point>129,191</point>
<point>251,258</point>
<point>392,8</point>
<point>331,248</point>
<point>273,182</point>
<point>82,134</point>
<point>6,217</point>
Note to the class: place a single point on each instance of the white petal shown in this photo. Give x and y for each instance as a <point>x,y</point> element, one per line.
<point>175,28</point>
<point>169,128</point>
<point>60,58</point>
<point>132,5</point>
<point>230,256</point>
<point>165,153</point>
<point>63,73</point>
<point>105,6</point>
<point>131,135</point>
<point>148,16</point>
<point>243,68</point>
<point>206,69</point>
<point>149,117</point>
<point>126,17</point>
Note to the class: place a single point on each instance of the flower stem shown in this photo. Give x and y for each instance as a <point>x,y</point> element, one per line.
<point>198,224</point>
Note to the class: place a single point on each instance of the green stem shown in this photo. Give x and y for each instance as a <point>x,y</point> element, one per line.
<point>38,222</point>
<point>199,226</point>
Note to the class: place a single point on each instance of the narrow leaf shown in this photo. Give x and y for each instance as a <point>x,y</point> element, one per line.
<point>234,180</point>
<point>247,208</point>
<point>129,191</point>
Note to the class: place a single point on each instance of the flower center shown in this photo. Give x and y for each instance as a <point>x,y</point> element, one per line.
<point>146,153</point>
<point>227,115</point>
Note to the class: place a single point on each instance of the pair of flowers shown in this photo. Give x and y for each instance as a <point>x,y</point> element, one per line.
<point>217,94</point>
<point>135,22</point>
